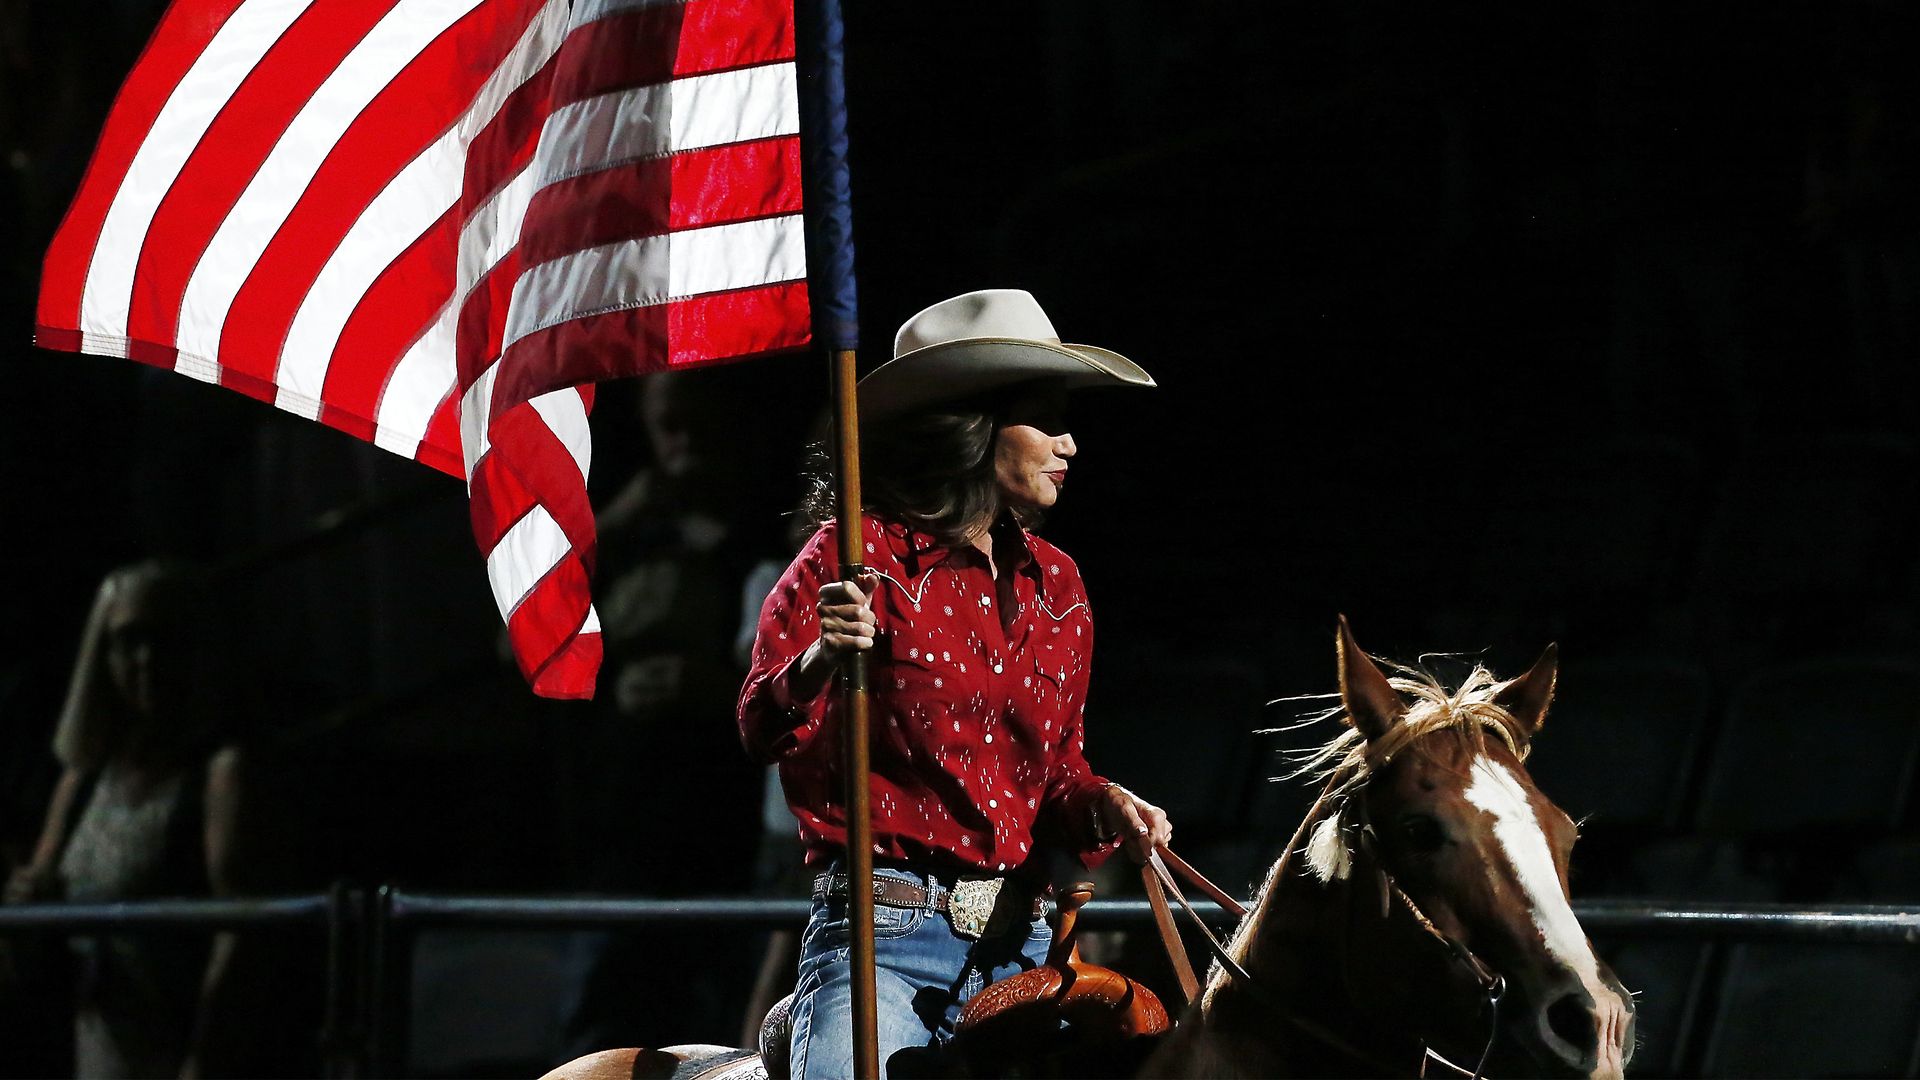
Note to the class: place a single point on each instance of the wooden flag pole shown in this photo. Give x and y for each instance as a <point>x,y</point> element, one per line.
<point>854,731</point>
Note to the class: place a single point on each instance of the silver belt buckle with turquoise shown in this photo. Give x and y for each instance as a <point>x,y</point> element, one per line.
<point>970,904</point>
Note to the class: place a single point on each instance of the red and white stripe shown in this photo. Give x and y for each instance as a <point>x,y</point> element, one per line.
<point>435,223</point>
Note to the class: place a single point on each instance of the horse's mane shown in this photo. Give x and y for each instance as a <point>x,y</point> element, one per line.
<point>1345,762</point>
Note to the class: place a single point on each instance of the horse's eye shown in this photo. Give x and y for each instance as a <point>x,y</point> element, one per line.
<point>1421,834</point>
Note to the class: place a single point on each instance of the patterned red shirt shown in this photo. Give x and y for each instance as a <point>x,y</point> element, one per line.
<point>977,747</point>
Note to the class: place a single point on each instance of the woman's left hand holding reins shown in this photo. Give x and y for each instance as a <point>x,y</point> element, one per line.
<point>1140,826</point>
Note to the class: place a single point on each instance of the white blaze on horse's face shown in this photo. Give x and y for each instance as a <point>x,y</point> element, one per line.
<point>1515,826</point>
<point>1499,793</point>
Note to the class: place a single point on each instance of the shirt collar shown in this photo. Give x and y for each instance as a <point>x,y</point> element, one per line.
<point>920,552</point>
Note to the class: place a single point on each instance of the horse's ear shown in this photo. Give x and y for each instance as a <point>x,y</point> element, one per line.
<point>1373,705</point>
<point>1528,696</point>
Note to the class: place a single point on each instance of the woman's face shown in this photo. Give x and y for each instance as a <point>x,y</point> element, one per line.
<point>1031,449</point>
<point>145,653</point>
<point>131,646</point>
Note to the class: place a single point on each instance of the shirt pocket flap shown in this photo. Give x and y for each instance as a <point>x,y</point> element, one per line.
<point>1050,670</point>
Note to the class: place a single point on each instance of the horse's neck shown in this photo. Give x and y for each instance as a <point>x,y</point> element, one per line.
<point>1290,899</point>
<point>1295,934</point>
<point>1294,944</point>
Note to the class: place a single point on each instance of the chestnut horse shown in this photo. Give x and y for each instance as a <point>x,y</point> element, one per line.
<point>1430,871</point>
<point>1428,880</point>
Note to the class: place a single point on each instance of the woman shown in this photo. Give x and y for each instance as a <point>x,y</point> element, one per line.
<point>980,636</point>
<point>147,806</point>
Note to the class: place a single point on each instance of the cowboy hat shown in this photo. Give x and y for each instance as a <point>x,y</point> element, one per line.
<point>983,341</point>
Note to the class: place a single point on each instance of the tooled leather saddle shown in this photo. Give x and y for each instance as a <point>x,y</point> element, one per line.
<point>1066,1009</point>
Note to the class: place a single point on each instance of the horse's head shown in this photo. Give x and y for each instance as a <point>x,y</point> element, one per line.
<point>1439,805</point>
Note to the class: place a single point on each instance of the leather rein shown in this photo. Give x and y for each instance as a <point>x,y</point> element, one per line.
<point>1159,882</point>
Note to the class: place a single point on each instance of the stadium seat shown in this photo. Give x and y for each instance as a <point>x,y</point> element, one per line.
<point>1621,742</point>
<point>1792,1009</point>
<point>1702,868</point>
<point>1817,516</point>
<point>1819,744</point>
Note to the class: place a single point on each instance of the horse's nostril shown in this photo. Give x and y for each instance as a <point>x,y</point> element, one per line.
<point>1571,1018</point>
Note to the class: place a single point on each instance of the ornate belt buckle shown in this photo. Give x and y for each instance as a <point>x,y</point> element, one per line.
<point>970,904</point>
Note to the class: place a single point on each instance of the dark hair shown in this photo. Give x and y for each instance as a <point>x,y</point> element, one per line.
<point>932,471</point>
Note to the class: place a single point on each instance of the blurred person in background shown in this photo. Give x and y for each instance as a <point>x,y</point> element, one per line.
<point>676,544</point>
<point>149,805</point>
<point>780,867</point>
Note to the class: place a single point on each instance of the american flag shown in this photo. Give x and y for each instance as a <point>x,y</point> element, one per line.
<point>435,223</point>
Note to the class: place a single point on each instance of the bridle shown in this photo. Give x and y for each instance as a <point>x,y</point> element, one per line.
<point>1159,880</point>
<point>1492,984</point>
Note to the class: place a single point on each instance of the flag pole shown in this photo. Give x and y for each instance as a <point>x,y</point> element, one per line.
<point>836,325</point>
<point>855,731</point>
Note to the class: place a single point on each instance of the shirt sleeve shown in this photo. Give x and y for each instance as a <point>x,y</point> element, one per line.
<point>774,722</point>
<point>1072,785</point>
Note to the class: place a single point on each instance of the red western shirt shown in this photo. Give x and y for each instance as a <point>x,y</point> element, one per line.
<point>976,712</point>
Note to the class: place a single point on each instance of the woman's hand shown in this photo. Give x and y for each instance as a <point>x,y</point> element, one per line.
<point>847,627</point>
<point>1140,825</point>
<point>846,617</point>
<point>30,884</point>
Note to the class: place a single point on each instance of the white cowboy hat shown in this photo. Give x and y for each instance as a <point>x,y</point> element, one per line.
<point>982,341</point>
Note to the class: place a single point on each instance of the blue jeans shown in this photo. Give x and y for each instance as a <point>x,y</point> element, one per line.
<point>923,974</point>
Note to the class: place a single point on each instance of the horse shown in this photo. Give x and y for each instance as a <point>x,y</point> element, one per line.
<point>1420,910</point>
<point>1430,875</point>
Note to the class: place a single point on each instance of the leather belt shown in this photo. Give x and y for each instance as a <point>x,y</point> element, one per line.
<point>970,904</point>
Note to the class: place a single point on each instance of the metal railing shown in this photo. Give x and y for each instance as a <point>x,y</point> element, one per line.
<point>369,935</point>
<point>1858,922</point>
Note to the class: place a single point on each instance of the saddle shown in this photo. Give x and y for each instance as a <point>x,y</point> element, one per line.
<point>1020,1018</point>
<point>1065,1009</point>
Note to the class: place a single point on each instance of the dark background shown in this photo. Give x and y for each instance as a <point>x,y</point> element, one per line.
<point>1488,326</point>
